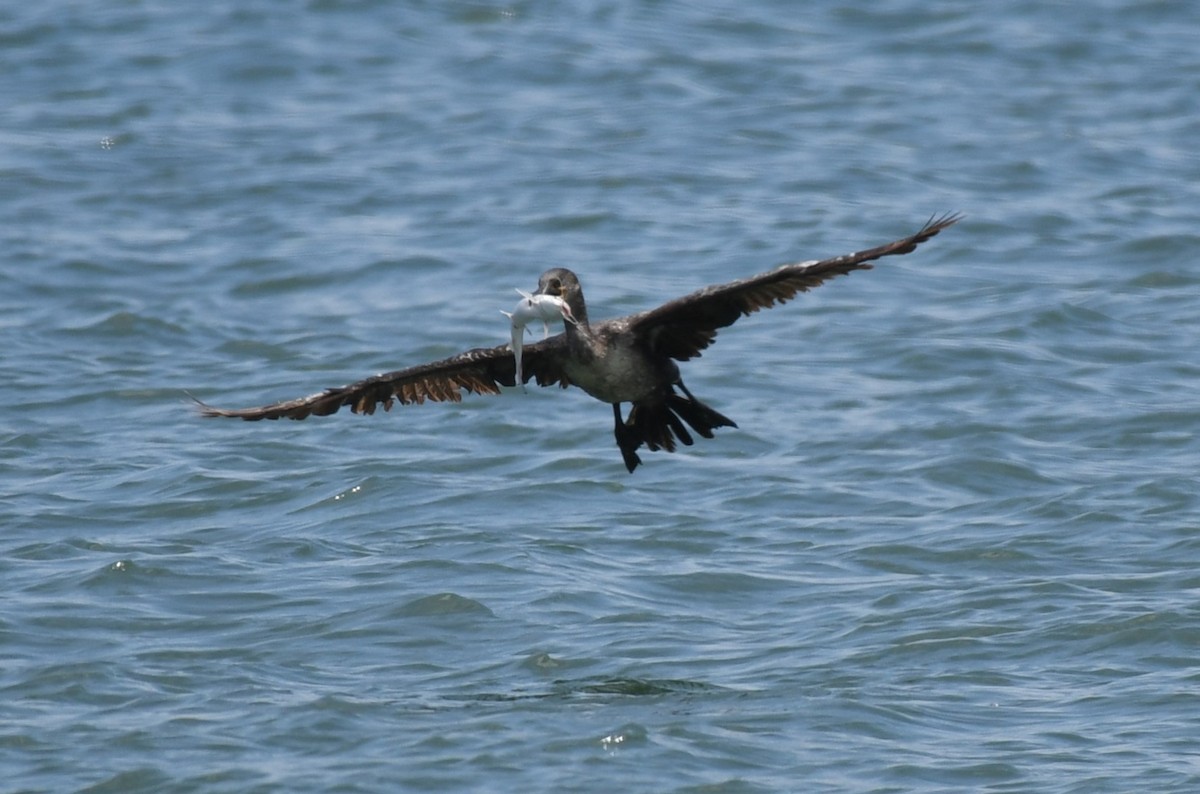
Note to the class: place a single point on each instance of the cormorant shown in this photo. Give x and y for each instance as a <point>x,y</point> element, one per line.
<point>626,360</point>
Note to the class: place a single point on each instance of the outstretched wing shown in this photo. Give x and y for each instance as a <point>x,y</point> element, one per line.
<point>479,371</point>
<point>682,328</point>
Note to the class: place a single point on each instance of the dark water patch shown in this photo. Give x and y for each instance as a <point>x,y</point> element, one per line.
<point>443,604</point>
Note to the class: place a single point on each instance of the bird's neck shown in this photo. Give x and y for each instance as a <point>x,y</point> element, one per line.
<point>579,312</point>
<point>579,333</point>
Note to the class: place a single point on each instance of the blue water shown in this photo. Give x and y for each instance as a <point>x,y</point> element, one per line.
<point>954,544</point>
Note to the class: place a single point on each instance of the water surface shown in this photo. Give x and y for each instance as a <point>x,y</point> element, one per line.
<point>951,547</point>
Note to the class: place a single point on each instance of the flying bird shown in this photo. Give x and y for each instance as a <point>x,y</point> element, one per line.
<point>629,359</point>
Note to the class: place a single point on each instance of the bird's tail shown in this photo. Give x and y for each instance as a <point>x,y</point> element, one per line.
<point>658,424</point>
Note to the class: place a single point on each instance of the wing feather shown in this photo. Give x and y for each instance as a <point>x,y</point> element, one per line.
<point>682,328</point>
<point>476,371</point>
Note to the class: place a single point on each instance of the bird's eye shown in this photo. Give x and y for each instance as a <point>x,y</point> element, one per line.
<point>555,285</point>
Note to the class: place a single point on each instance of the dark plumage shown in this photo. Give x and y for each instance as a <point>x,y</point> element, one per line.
<point>629,359</point>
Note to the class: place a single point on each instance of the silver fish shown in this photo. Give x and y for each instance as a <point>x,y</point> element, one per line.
<point>534,307</point>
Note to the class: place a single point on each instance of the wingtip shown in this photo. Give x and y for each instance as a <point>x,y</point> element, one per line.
<point>201,408</point>
<point>936,223</point>
<point>204,410</point>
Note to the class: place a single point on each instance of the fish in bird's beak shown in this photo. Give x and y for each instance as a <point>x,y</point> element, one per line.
<point>539,306</point>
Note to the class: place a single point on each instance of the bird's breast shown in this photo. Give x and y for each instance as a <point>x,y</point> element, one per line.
<point>615,370</point>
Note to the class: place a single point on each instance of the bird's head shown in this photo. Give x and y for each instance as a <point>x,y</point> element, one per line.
<point>562,283</point>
